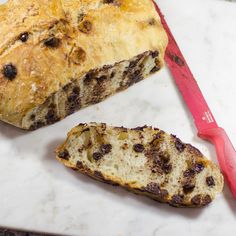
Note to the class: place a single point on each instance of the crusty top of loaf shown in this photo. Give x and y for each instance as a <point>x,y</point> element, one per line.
<point>89,34</point>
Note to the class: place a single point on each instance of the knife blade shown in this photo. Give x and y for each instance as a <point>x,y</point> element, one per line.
<point>204,120</point>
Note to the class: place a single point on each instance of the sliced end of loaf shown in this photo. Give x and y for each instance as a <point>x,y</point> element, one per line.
<point>93,87</point>
<point>144,160</point>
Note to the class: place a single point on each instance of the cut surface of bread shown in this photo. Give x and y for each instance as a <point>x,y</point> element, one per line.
<point>145,160</point>
<point>57,57</point>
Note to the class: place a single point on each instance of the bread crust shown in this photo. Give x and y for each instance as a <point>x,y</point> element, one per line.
<point>52,43</point>
<point>195,184</point>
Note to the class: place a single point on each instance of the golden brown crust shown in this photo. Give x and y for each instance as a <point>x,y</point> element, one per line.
<point>66,39</point>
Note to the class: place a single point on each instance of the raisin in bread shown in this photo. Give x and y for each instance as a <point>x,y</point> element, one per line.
<point>59,56</point>
<point>144,160</point>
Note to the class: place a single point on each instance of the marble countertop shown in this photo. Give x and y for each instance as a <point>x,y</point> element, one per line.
<point>39,194</point>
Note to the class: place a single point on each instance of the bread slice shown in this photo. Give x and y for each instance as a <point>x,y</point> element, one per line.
<point>144,160</point>
<point>57,57</point>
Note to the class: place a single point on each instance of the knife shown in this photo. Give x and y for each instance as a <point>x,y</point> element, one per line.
<point>203,117</point>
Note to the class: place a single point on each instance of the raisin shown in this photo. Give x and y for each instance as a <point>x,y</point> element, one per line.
<point>67,87</point>
<point>121,128</point>
<point>32,117</point>
<point>165,157</point>
<point>51,117</point>
<point>97,156</point>
<point>74,102</point>
<point>206,200</point>
<point>189,173</point>
<point>199,167</point>
<point>52,42</point>
<point>115,2</point>
<point>24,37</point>
<point>153,188</point>
<point>163,193</point>
<point>210,181</point>
<point>79,165</point>
<point>112,74</point>
<point>108,1</point>
<point>140,128</point>
<point>138,148</point>
<point>64,155</point>
<point>72,98</point>
<point>188,187</point>
<point>85,130</point>
<point>101,78</point>
<point>152,21</point>
<point>107,67</point>
<point>167,168</point>
<point>133,64</point>
<point>125,73</point>
<point>196,200</point>
<point>105,148</point>
<point>155,54</point>
<point>88,78</point>
<point>85,27</point>
<point>76,90</point>
<point>80,150</point>
<point>136,76</point>
<point>179,145</point>
<point>177,199</point>
<point>155,69</point>
<point>37,125</point>
<point>141,136</point>
<point>10,71</point>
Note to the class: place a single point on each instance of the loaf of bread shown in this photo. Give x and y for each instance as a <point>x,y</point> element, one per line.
<point>144,160</point>
<point>59,56</point>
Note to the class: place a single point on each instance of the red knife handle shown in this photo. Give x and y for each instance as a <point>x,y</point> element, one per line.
<point>225,152</point>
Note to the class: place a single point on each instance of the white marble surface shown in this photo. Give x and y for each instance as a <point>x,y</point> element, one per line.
<point>37,193</point>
